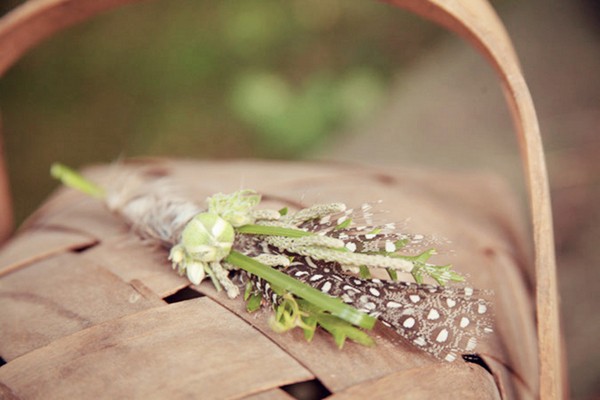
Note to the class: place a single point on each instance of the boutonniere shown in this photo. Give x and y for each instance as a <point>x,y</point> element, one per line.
<point>312,266</point>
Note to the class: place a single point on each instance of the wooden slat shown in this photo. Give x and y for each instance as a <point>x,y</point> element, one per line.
<point>514,310</point>
<point>127,257</point>
<point>78,214</point>
<point>452,382</point>
<point>518,389</point>
<point>6,393</point>
<point>37,244</point>
<point>273,394</point>
<point>59,296</point>
<point>336,369</point>
<point>192,349</point>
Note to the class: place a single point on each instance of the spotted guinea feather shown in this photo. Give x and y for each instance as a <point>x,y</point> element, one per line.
<point>443,321</point>
<point>362,232</point>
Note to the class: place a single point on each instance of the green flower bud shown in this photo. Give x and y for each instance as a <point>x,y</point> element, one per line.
<point>207,238</point>
<point>235,208</point>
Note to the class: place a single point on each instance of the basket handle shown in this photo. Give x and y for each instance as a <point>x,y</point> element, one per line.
<point>475,20</point>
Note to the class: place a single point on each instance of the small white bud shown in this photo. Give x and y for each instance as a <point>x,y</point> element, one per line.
<point>233,292</point>
<point>195,272</point>
<point>176,255</point>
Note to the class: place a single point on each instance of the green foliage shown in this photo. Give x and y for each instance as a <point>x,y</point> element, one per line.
<point>234,208</point>
<point>393,274</point>
<point>288,284</point>
<point>364,272</point>
<point>338,328</point>
<point>74,180</point>
<point>273,231</point>
<point>289,120</point>
<point>343,225</point>
<point>442,274</point>
<point>292,313</point>
<point>253,302</point>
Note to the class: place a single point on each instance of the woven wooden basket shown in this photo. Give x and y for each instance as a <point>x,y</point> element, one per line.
<point>88,311</point>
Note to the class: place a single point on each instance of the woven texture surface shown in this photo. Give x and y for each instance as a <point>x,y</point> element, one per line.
<point>82,309</point>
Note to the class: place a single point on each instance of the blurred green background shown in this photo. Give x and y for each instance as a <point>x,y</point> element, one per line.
<point>188,78</point>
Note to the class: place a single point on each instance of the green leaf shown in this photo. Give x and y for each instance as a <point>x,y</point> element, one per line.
<point>272,231</point>
<point>392,273</point>
<point>456,277</point>
<point>417,273</point>
<point>313,296</point>
<point>375,231</point>
<point>339,329</point>
<point>442,274</point>
<point>74,180</point>
<point>419,258</point>
<point>364,272</point>
<point>400,243</point>
<point>289,315</point>
<point>284,211</point>
<point>311,327</point>
<point>343,225</point>
<point>248,291</point>
<point>253,303</point>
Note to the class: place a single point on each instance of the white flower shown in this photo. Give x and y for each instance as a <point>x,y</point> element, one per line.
<point>195,272</point>
<point>206,240</point>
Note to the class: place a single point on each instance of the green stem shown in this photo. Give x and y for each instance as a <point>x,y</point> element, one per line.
<point>74,180</point>
<point>334,305</point>
<point>273,231</point>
